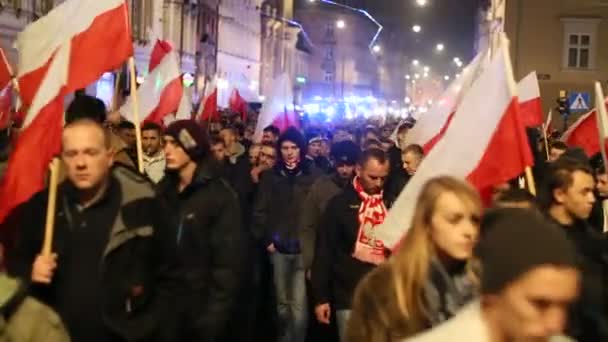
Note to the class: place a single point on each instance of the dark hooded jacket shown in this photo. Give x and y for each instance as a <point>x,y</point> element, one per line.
<point>131,291</point>
<point>210,248</point>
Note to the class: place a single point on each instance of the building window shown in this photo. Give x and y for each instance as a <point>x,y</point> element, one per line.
<point>329,77</point>
<point>580,43</point>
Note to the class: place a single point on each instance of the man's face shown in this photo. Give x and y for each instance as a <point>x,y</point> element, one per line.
<point>555,153</point>
<point>150,140</point>
<point>228,136</point>
<point>602,184</point>
<point>175,155</point>
<point>314,149</point>
<point>325,148</point>
<point>290,152</point>
<point>386,131</point>
<point>373,175</point>
<point>219,151</point>
<point>254,154</point>
<point>269,138</point>
<point>578,199</point>
<point>128,136</point>
<point>86,157</point>
<point>268,157</point>
<point>535,307</point>
<point>345,171</point>
<point>411,161</point>
<point>342,135</point>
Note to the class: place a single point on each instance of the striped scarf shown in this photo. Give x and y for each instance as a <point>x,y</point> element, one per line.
<point>372,212</point>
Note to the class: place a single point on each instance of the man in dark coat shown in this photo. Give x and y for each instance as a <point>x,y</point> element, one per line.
<point>103,277</point>
<point>346,248</point>
<point>277,222</point>
<point>209,241</point>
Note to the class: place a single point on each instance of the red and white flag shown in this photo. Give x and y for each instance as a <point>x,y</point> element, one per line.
<point>278,107</point>
<point>529,101</point>
<point>432,125</point>
<point>184,112</point>
<point>6,106</point>
<point>486,144</point>
<point>584,133</point>
<point>70,47</point>
<point>162,90</point>
<point>237,104</point>
<point>207,109</point>
<point>6,73</point>
<point>602,120</point>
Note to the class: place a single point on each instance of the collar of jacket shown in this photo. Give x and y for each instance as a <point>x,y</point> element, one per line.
<point>160,156</point>
<point>205,171</point>
<point>236,151</point>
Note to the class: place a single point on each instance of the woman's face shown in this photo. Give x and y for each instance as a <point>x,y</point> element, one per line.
<point>454,227</point>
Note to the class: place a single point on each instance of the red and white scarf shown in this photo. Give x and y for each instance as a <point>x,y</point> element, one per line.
<point>292,165</point>
<point>372,212</point>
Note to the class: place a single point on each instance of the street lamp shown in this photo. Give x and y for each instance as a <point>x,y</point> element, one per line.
<point>417,28</point>
<point>440,47</point>
<point>446,77</point>
<point>415,62</point>
<point>421,3</point>
<point>416,76</point>
<point>407,77</point>
<point>340,24</point>
<point>426,69</point>
<point>426,74</point>
<point>377,48</point>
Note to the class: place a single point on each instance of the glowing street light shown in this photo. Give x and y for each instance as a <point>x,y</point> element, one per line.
<point>408,100</point>
<point>446,77</point>
<point>417,28</point>
<point>340,24</point>
<point>416,76</point>
<point>421,3</point>
<point>415,62</point>
<point>407,77</point>
<point>440,47</point>
<point>426,74</point>
<point>376,48</point>
<point>426,69</point>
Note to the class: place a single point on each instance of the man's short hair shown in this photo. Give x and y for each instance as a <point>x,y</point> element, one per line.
<point>217,140</point>
<point>86,107</point>
<point>152,126</point>
<point>559,145</point>
<point>84,122</point>
<point>560,177</point>
<point>126,125</point>
<point>415,149</point>
<point>372,153</point>
<point>273,129</point>
<point>516,195</point>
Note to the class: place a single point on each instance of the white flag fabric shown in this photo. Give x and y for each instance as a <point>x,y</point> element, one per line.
<point>277,102</point>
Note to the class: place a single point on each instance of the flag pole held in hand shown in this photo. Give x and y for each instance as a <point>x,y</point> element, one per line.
<point>49,228</point>
<point>140,156</point>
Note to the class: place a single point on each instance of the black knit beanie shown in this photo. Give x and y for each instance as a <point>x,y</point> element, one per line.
<point>191,137</point>
<point>515,241</point>
<point>293,135</point>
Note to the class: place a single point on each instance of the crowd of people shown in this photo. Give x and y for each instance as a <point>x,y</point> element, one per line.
<point>224,238</point>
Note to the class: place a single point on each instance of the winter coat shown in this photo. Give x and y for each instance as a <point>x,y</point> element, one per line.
<point>324,189</point>
<point>25,319</point>
<point>133,298</point>
<point>210,247</point>
<point>335,273</point>
<point>279,203</point>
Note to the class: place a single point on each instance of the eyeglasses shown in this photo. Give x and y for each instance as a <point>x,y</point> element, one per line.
<point>269,156</point>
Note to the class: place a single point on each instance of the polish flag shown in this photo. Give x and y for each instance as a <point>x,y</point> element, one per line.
<point>6,106</point>
<point>70,47</point>
<point>529,101</point>
<point>6,73</point>
<point>432,125</point>
<point>162,90</point>
<point>237,104</point>
<point>184,112</point>
<point>278,107</point>
<point>207,109</point>
<point>584,133</point>
<point>602,120</point>
<point>486,144</point>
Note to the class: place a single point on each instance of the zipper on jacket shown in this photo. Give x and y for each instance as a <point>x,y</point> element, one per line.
<point>180,231</point>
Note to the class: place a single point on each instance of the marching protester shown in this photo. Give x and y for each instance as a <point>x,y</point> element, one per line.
<point>218,150</point>
<point>567,200</point>
<point>346,247</point>
<point>428,280</point>
<point>270,135</point>
<point>103,277</point>
<point>315,148</point>
<point>556,150</point>
<point>126,132</point>
<point>254,154</point>
<point>208,239</point>
<point>277,216</point>
<point>154,157</point>
<point>266,161</point>
<point>515,198</point>
<point>412,157</point>
<point>599,214</point>
<point>520,299</point>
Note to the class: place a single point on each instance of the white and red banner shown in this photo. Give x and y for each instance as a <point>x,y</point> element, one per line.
<point>432,125</point>
<point>278,109</point>
<point>237,104</point>
<point>5,70</point>
<point>485,143</point>
<point>529,101</point>
<point>70,47</point>
<point>162,90</point>
<point>602,120</point>
<point>207,109</point>
<point>584,133</point>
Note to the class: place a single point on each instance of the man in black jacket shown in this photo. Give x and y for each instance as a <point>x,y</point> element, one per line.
<point>277,221</point>
<point>568,199</point>
<point>209,241</point>
<point>103,276</point>
<point>346,245</point>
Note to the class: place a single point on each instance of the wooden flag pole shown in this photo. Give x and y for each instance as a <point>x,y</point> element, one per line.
<point>133,83</point>
<point>116,89</point>
<point>546,140</point>
<point>49,228</point>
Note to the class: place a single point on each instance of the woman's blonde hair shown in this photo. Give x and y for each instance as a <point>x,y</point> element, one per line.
<point>399,309</point>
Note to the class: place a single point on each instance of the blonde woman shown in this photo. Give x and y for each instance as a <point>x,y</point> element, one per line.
<point>428,280</point>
